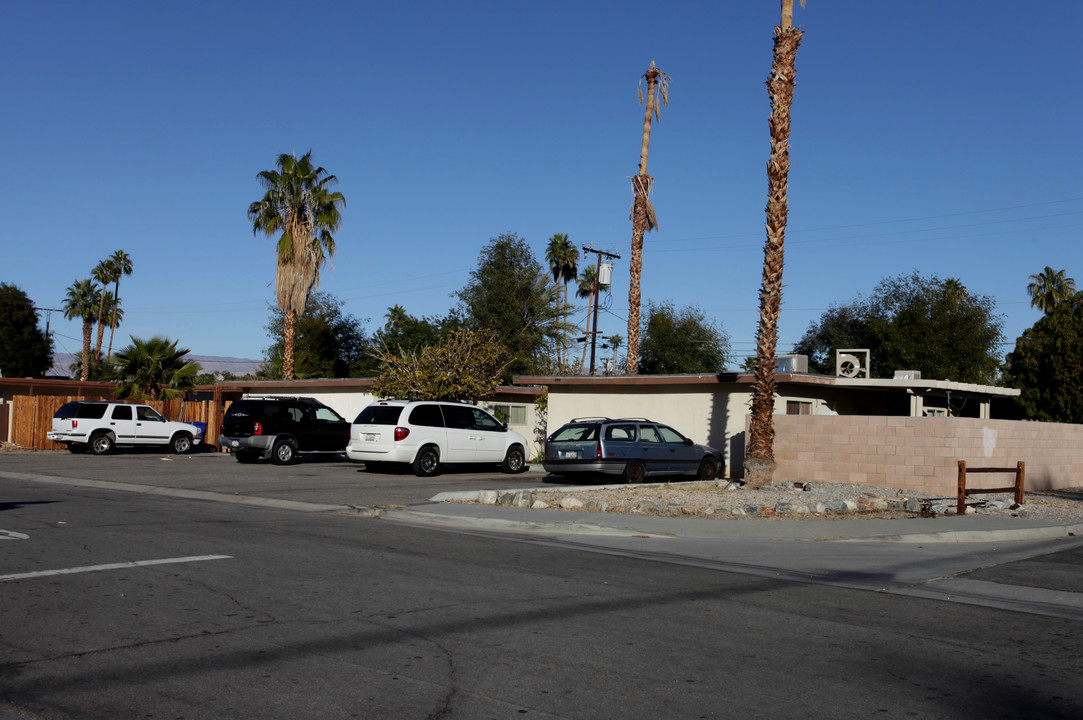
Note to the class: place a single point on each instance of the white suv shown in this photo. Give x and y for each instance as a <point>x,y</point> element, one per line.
<point>99,426</point>
<point>428,434</point>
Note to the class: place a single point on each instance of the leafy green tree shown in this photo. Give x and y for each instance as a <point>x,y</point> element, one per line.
<point>511,296</point>
<point>153,369</point>
<point>81,302</point>
<point>1047,365</point>
<point>122,265</point>
<point>328,342</point>
<point>300,207</point>
<point>1050,288</point>
<point>24,349</point>
<point>681,341</point>
<point>466,366</point>
<point>913,322</point>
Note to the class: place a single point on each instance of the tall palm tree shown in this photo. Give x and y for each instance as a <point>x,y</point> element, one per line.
<point>82,302</point>
<point>298,204</point>
<point>1050,288</point>
<point>615,341</point>
<point>152,369</point>
<point>642,213</point>
<point>122,265</point>
<point>759,462</point>
<point>563,259</point>
<point>103,273</point>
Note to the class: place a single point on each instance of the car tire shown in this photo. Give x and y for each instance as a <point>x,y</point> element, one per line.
<point>427,462</point>
<point>101,444</point>
<point>246,456</point>
<point>634,472</point>
<point>514,460</point>
<point>708,469</point>
<point>77,448</point>
<point>284,452</point>
<point>181,443</point>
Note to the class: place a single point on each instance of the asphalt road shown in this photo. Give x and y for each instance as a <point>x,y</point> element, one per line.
<point>123,605</point>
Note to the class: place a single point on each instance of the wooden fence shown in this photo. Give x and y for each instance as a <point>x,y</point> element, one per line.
<point>32,418</point>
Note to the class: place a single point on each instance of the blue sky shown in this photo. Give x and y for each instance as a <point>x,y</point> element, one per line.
<point>935,136</point>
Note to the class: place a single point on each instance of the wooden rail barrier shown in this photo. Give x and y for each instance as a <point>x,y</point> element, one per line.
<point>1019,470</point>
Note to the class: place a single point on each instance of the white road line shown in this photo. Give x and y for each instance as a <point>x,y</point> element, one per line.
<point>12,535</point>
<point>112,566</point>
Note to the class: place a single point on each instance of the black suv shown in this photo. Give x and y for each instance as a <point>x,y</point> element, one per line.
<point>281,428</point>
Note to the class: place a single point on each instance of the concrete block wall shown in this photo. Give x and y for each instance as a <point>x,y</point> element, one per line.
<point>922,454</point>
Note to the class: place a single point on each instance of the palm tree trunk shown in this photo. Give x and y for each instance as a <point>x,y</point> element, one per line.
<point>113,321</point>
<point>641,185</point>
<point>88,332</point>
<point>101,329</point>
<point>289,333</point>
<point>759,462</point>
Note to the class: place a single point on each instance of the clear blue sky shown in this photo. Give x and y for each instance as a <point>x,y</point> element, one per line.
<point>927,135</point>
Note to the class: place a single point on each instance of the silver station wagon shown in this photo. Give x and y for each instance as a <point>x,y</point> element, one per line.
<point>632,448</point>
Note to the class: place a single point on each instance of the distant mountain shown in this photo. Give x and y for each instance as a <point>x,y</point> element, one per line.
<point>210,364</point>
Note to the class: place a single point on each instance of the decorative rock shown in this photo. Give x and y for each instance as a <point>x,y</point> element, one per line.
<point>817,508</point>
<point>523,499</point>
<point>540,505</point>
<point>487,497</point>
<point>597,506</point>
<point>836,506</point>
<point>752,510</point>
<point>784,508</point>
<point>737,512</point>
<point>569,502</point>
<point>912,505</point>
<point>506,499</point>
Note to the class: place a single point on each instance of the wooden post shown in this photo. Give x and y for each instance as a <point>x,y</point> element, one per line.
<point>1021,469</point>
<point>960,505</point>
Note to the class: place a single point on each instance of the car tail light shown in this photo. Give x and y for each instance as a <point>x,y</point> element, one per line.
<point>401,433</point>
<point>598,452</point>
<point>74,424</point>
<point>257,430</point>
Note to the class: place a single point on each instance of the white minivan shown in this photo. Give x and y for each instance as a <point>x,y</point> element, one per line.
<point>427,434</point>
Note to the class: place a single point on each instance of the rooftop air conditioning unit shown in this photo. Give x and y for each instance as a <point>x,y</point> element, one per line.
<point>852,363</point>
<point>907,374</point>
<point>791,363</point>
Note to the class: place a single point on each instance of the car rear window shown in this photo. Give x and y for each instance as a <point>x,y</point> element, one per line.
<point>79,409</point>
<point>379,415</point>
<point>246,408</point>
<point>576,432</point>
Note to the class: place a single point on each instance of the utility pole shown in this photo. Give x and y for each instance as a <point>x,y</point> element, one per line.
<point>594,332</point>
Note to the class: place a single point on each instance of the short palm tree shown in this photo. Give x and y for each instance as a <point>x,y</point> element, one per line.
<point>615,341</point>
<point>300,208</point>
<point>642,214</point>
<point>759,461</point>
<point>1050,288</point>
<point>122,265</point>
<point>152,369</point>
<point>563,261</point>
<point>82,302</point>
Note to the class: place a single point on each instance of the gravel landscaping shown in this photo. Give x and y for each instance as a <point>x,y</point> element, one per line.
<point>727,500</point>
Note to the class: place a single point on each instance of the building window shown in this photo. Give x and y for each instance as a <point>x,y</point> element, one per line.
<point>796,407</point>
<point>511,414</point>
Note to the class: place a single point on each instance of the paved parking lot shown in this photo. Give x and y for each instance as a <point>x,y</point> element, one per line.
<point>318,480</point>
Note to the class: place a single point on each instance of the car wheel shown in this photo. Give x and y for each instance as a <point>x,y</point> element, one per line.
<point>181,443</point>
<point>77,447</point>
<point>283,452</point>
<point>101,444</point>
<point>427,461</point>
<point>246,456</point>
<point>708,468</point>
<point>514,461</point>
<point>634,472</point>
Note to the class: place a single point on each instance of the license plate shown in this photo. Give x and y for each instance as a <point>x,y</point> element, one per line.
<point>369,437</point>
<point>569,455</point>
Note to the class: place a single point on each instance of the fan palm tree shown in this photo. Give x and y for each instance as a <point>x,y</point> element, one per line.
<point>1050,288</point>
<point>152,369</point>
<point>299,205</point>
<point>615,341</point>
<point>122,265</point>
<point>103,273</point>
<point>82,302</point>
<point>759,462</point>
<point>563,261</point>
<point>642,213</point>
